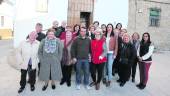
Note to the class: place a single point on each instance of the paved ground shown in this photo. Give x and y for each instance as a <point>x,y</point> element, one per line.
<point>158,84</point>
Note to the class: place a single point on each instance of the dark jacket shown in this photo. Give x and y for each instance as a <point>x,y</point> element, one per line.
<point>126,53</point>
<point>59,31</point>
<point>80,48</point>
<point>40,36</point>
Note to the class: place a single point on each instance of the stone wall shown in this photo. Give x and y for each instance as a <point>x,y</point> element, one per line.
<point>138,21</point>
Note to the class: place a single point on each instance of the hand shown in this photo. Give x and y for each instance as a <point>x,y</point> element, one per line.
<point>100,57</point>
<point>74,60</point>
<point>140,58</point>
<point>114,56</point>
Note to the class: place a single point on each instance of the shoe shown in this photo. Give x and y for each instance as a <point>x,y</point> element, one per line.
<point>78,87</point>
<point>138,85</point>
<point>53,86</point>
<point>122,84</point>
<point>32,87</point>
<point>92,84</point>
<point>108,83</point>
<point>104,80</point>
<point>133,80</point>
<point>20,89</point>
<point>62,82</point>
<point>142,86</point>
<point>87,87</point>
<point>118,80</point>
<point>97,86</point>
<point>69,84</point>
<point>44,87</point>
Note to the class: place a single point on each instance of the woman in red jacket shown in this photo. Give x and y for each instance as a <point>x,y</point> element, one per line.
<point>99,51</point>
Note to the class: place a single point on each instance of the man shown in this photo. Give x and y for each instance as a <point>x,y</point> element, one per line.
<point>80,51</point>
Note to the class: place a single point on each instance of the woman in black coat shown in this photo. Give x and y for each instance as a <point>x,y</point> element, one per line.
<point>125,60</point>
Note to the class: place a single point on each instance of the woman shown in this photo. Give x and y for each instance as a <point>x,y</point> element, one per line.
<point>111,43</point>
<point>118,26</point>
<point>135,42</point>
<point>76,30</point>
<point>144,54</point>
<point>91,33</point>
<point>66,63</point>
<point>50,54</point>
<point>28,51</point>
<point>125,60</point>
<point>99,51</point>
<point>103,27</point>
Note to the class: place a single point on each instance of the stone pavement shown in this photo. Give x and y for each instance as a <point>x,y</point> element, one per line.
<point>158,84</point>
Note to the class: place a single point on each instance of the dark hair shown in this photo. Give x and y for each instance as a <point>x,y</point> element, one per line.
<point>112,33</point>
<point>149,41</point>
<point>75,27</point>
<point>103,25</point>
<point>119,24</point>
<point>96,22</point>
<point>39,24</point>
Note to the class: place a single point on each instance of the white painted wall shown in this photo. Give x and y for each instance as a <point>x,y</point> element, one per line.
<point>6,10</point>
<point>26,17</point>
<point>111,11</point>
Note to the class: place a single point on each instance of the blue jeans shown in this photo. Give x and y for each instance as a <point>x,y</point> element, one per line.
<point>82,64</point>
<point>108,71</point>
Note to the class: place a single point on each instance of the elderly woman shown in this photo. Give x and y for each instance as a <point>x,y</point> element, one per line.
<point>50,54</point>
<point>126,57</point>
<point>99,52</point>
<point>28,51</point>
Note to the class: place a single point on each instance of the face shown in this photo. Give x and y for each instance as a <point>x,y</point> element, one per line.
<point>33,36</point>
<point>121,34</point>
<point>55,24</point>
<point>103,28</point>
<point>126,39</point>
<point>145,37</point>
<point>83,32</point>
<point>76,28</point>
<point>92,29</point>
<point>63,24</point>
<point>51,35</point>
<point>135,36</point>
<point>119,26</point>
<point>96,25</point>
<point>98,34</point>
<point>38,28</point>
<point>68,29</point>
<point>109,28</point>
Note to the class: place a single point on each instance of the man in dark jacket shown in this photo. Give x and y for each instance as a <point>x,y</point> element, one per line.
<point>80,51</point>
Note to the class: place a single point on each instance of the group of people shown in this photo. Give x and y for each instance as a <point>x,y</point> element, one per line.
<point>97,51</point>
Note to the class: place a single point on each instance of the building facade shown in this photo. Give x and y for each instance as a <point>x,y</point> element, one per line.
<point>151,16</point>
<point>72,11</point>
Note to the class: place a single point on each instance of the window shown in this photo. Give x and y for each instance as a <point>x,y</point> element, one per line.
<point>42,6</point>
<point>2,21</point>
<point>154,17</point>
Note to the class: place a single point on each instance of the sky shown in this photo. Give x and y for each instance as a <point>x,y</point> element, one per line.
<point>114,11</point>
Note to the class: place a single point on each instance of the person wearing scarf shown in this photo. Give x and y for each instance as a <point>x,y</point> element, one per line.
<point>50,54</point>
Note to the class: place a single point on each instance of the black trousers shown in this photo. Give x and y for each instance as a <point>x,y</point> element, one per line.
<point>66,72</point>
<point>32,76</point>
<point>124,71</point>
<point>115,65</point>
<point>97,68</point>
<point>134,67</point>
